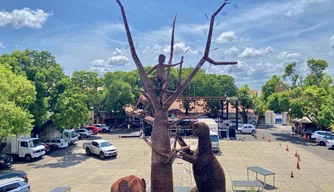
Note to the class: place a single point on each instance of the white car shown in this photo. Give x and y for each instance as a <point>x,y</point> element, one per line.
<point>319,137</point>
<point>330,144</point>
<point>100,147</point>
<point>214,137</point>
<point>322,140</point>
<point>57,143</point>
<point>247,128</point>
<point>14,184</point>
<point>104,127</point>
<point>84,132</point>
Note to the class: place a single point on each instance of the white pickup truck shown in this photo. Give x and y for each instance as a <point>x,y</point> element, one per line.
<point>100,147</point>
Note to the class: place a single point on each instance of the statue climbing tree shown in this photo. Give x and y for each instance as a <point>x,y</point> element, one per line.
<point>161,100</point>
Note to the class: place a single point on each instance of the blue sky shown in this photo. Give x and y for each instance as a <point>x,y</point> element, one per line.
<point>264,36</point>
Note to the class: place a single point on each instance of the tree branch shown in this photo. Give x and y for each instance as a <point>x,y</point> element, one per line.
<point>170,60</point>
<point>181,88</point>
<point>178,83</point>
<point>144,94</point>
<point>212,23</point>
<point>208,59</point>
<point>142,74</point>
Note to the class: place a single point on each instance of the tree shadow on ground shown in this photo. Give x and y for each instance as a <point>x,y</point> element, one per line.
<point>292,139</point>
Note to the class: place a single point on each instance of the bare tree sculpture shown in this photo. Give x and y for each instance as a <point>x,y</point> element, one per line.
<point>161,167</point>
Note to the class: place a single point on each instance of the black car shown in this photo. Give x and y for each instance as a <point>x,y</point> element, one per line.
<point>10,174</point>
<point>5,160</point>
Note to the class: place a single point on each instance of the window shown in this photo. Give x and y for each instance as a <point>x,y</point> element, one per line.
<point>53,141</point>
<point>34,143</point>
<point>214,138</point>
<point>11,187</point>
<point>105,144</point>
<point>58,141</point>
<point>24,144</point>
<point>94,144</point>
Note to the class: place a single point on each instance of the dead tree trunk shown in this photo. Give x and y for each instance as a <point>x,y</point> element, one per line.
<point>161,164</point>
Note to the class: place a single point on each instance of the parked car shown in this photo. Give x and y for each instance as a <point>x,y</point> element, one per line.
<point>94,129</point>
<point>5,161</point>
<point>330,144</point>
<point>104,128</point>
<point>320,134</point>
<point>321,137</point>
<point>247,128</point>
<point>84,132</point>
<point>57,143</point>
<point>11,174</point>
<point>233,123</point>
<point>214,137</point>
<point>100,147</point>
<point>24,147</point>
<point>15,184</point>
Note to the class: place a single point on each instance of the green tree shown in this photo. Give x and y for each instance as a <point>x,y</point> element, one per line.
<point>71,110</point>
<point>17,93</point>
<point>317,74</point>
<point>42,69</point>
<point>245,101</point>
<point>118,95</point>
<point>270,87</point>
<point>291,75</point>
<point>259,107</point>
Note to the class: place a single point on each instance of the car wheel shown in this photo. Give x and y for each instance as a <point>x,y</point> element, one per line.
<point>84,136</point>
<point>87,151</point>
<point>253,131</point>
<point>240,131</point>
<point>102,156</point>
<point>116,155</point>
<point>333,147</point>
<point>103,131</point>
<point>322,143</point>
<point>27,158</point>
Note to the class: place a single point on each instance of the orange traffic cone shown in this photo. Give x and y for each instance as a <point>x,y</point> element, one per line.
<point>296,154</point>
<point>269,140</point>
<point>262,137</point>
<point>304,137</point>
<point>298,165</point>
<point>299,157</point>
<point>287,148</point>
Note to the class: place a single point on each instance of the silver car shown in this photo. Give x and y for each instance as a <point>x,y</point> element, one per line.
<point>14,184</point>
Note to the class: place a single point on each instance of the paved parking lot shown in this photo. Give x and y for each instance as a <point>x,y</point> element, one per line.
<point>71,167</point>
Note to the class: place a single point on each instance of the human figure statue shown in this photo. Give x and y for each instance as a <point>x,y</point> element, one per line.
<point>160,77</point>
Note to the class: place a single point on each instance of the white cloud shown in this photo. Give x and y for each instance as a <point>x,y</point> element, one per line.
<point>232,51</point>
<point>254,53</point>
<point>293,10</point>
<point>119,60</point>
<point>282,55</point>
<point>226,37</point>
<point>331,40</point>
<point>293,56</point>
<point>179,49</point>
<point>24,18</point>
<point>1,45</point>
<point>298,7</point>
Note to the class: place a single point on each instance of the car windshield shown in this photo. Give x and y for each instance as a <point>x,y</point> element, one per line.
<point>105,144</point>
<point>214,138</point>
<point>103,125</point>
<point>34,143</point>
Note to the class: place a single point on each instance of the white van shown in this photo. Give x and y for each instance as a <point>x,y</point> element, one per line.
<point>214,141</point>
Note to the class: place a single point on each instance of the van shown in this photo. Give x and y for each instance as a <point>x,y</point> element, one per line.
<point>214,141</point>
